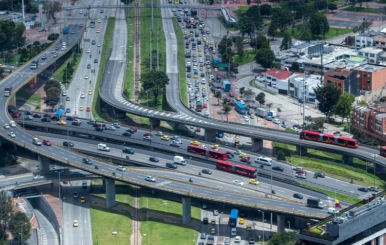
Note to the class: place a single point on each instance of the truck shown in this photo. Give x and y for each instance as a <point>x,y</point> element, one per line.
<point>233,217</point>
<point>92,24</point>
<point>7,91</point>
<point>261,112</point>
<point>34,64</point>
<point>240,107</point>
<point>103,147</point>
<point>220,134</point>
<point>198,106</point>
<point>65,30</point>
<point>193,12</point>
<point>226,85</point>
<point>179,160</point>
<point>315,203</point>
<point>215,61</point>
<point>272,114</point>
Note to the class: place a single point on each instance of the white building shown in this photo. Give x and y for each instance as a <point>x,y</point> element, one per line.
<point>299,83</point>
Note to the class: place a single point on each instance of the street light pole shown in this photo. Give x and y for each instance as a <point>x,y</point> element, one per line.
<point>263,225</point>
<point>289,225</point>
<point>122,154</point>
<point>68,139</point>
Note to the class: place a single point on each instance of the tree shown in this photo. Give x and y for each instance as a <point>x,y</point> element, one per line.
<point>248,94</point>
<point>283,238</point>
<point>265,10</point>
<point>250,21</point>
<point>319,24</point>
<point>1,72</point>
<point>272,30</point>
<point>320,4</point>
<point>265,57</point>
<point>224,45</point>
<point>20,227</point>
<point>249,2</point>
<point>51,8</point>
<point>295,66</point>
<point>218,95</point>
<point>259,42</point>
<point>53,96</point>
<point>306,35</point>
<point>260,98</point>
<point>154,82</point>
<point>227,108</point>
<point>344,105</point>
<point>286,43</point>
<point>332,7</point>
<point>241,90</point>
<point>240,47</point>
<point>327,97</point>
<point>5,213</point>
<point>283,18</point>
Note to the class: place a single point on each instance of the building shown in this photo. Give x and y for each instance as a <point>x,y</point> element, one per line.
<point>345,80</point>
<point>371,121</point>
<point>277,79</point>
<point>314,65</point>
<point>363,40</point>
<point>372,54</point>
<point>372,77</point>
<point>362,225</point>
<point>301,47</point>
<point>296,87</point>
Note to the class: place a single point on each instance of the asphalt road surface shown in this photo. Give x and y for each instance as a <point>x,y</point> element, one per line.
<point>47,231</point>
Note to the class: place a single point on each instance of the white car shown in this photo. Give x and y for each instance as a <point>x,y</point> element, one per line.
<point>121,168</point>
<point>238,182</point>
<point>12,134</point>
<point>111,128</point>
<point>276,121</point>
<point>82,96</point>
<point>117,125</point>
<point>159,133</point>
<point>85,76</point>
<point>12,123</point>
<point>246,118</point>
<point>227,241</point>
<point>332,211</point>
<point>88,51</point>
<point>301,176</point>
<point>150,178</point>
<point>206,113</point>
<point>238,152</point>
<point>37,177</point>
<point>238,239</point>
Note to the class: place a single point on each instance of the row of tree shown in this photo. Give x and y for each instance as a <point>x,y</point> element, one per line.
<point>224,48</point>
<point>11,34</point>
<point>16,6</point>
<point>12,221</point>
<point>31,51</point>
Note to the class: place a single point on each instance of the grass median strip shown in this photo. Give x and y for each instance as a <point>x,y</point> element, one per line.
<point>340,197</point>
<point>128,87</point>
<point>58,74</point>
<point>107,45</point>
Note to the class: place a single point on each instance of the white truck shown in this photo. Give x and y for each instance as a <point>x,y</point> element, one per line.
<point>103,147</point>
<point>179,160</point>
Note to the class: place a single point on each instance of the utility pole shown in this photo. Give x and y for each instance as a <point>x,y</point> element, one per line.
<point>151,36</point>
<point>158,48</point>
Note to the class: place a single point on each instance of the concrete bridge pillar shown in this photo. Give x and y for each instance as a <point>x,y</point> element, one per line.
<point>154,123</point>
<point>347,159</point>
<point>257,144</point>
<point>280,219</point>
<point>110,192</point>
<point>301,150</point>
<point>44,163</point>
<point>210,135</point>
<point>186,210</point>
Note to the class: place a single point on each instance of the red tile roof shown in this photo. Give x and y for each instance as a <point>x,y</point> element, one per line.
<point>278,73</point>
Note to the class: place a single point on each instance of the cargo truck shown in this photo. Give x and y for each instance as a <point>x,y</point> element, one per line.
<point>215,61</point>
<point>179,160</point>
<point>315,203</point>
<point>261,112</point>
<point>7,91</point>
<point>226,85</point>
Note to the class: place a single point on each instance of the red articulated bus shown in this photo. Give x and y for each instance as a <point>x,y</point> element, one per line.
<point>329,139</point>
<point>382,151</point>
<point>199,150</point>
<point>247,171</point>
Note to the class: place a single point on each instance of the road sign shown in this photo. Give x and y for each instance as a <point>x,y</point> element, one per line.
<point>222,65</point>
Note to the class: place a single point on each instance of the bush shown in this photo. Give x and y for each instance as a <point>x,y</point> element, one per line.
<point>280,155</point>
<point>37,107</point>
<point>53,36</point>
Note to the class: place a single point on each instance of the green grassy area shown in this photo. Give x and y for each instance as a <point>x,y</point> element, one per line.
<point>128,86</point>
<point>360,9</point>
<point>340,197</point>
<point>165,234</point>
<point>249,56</point>
<point>331,164</point>
<point>107,45</point>
<point>290,130</point>
<point>181,62</point>
<point>105,221</point>
<point>23,97</point>
<point>167,206</point>
<point>229,28</point>
<point>58,74</point>
<point>296,32</point>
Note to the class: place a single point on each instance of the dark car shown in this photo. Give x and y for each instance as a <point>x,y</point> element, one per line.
<point>97,125</point>
<point>364,189</point>
<point>206,171</point>
<point>131,131</point>
<point>86,161</point>
<point>153,159</point>
<point>28,113</point>
<point>68,143</point>
<point>278,168</point>
<point>205,220</point>
<point>191,134</point>
<point>246,160</point>
<point>99,129</point>
<point>298,196</point>
<point>84,184</point>
<point>76,123</point>
<point>171,165</point>
<point>46,119</point>
<point>47,115</point>
<point>69,118</point>
<point>128,134</point>
<point>251,240</point>
<point>37,115</point>
<point>55,117</point>
<point>320,175</point>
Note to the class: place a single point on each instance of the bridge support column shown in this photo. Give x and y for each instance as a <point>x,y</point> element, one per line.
<point>301,150</point>
<point>176,125</point>
<point>347,159</point>
<point>210,135</point>
<point>154,123</point>
<point>300,224</point>
<point>110,192</point>
<point>12,101</point>
<point>280,220</point>
<point>257,144</point>
<point>44,163</point>
<point>186,210</point>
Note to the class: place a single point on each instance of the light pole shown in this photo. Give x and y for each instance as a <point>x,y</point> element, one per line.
<point>271,181</point>
<point>17,52</point>
<point>122,154</point>
<point>68,139</point>
<point>374,168</point>
<point>263,224</point>
<point>289,225</point>
<point>59,172</point>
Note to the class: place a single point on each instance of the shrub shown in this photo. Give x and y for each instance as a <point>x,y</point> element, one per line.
<point>280,155</point>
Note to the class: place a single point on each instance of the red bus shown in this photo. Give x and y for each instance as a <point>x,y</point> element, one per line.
<point>247,171</point>
<point>382,151</point>
<point>195,149</point>
<point>329,139</point>
<point>218,154</point>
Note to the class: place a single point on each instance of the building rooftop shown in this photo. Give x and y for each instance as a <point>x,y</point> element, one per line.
<point>302,45</point>
<point>369,68</point>
<point>278,73</point>
<point>370,50</point>
<point>333,73</point>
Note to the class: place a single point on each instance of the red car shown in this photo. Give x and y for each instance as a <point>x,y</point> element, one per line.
<point>15,115</point>
<point>228,100</point>
<point>46,115</point>
<point>191,106</point>
<point>88,109</point>
<point>57,47</point>
<point>246,160</point>
<point>97,125</point>
<point>231,94</point>
<point>198,130</point>
<point>76,123</point>
<point>148,134</point>
<point>47,142</point>
<point>205,106</point>
<point>232,103</point>
<point>134,129</point>
<point>301,172</point>
<point>37,115</point>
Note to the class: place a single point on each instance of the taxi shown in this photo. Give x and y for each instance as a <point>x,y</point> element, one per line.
<point>215,69</point>
<point>6,126</point>
<point>82,200</point>
<point>241,221</point>
<point>90,92</point>
<point>81,108</point>
<point>252,116</point>
<point>99,21</point>
<point>243,155</point>
<point>98,31</point>
<point>238,98</point>
<point>253,182</point>
<point>195,142</point>
<point>165,137</point>
<point>61,122</point>
<point>215,147</point>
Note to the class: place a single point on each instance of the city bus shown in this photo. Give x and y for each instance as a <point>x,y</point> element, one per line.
<point>233,217</point>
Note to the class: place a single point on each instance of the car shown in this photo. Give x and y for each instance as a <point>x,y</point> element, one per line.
<point>82,96</point>
<point>29,118</point>
<point>47,143</point>
<point>88,50</point>
<point>252,116</point>
<point>215,147</point>
<point>6,126</point>
<point>100,129</point>
<point>12,123</point>
<point>68,110</point>
<point>86,76</point>
<point>75,223</point>
<point>70,118</point>
<point>241,221</point>
<point>243,155</point>
<point>44,57</point>
<point>112,128</point>
<point>246,160</point>
<point>251,240</point>
<point>90,92</point>
<point>298,196</point>
<point>93,42</point>
<point>237,152</point>
<point>95,60</point>
<point>278,168</point>
<point>101,11</point>
<point>99,21</point>
<point>175,144</point>
<point>165,137</point>
<point>68,98</point>
<point>37,115</point>
<point>121,168</point>
<point>68,144</point>
<point>57,48</point>
<point>82,200</point>
<point>215,212</point>
<point>148,134</point>
<point>213,231</point>
<point>76,122</point>
<point>127,134</point>
<point>37,177</point>
<point>205,105</point>
<point>227,240</point>
<point>206,171</point>
<point>253,182</point>
<point>363,189</point>
<point>88,109</point>
<point>98,31</point>
<point>150,178</point>
<point>159,133</point>
<point>61,122</point>
<point>238,182</point>
<point>98,45</point>
<point>86,161</point>
<point>320,175</point>
<point>300,176</point>
<point>37,141</point>
<point>205,221</point>
<point>12,134</point>
<point>147,138</point>
<point>76,195</point>
<point>195,142</point>
<point>332,211</point>
<point>204,206</point>
<point>246,119</point>
<point>237,239</point>
<point>153,159</point>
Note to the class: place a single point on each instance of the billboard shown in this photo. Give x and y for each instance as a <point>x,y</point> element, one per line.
<point>315,50</point>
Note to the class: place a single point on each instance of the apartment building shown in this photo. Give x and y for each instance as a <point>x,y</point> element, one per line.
<point>345,80</point>
<point>372,77</point>
<point>372,54</point>
<point>371,121</point>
